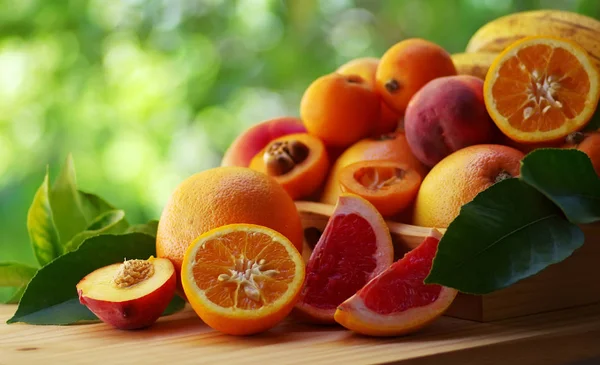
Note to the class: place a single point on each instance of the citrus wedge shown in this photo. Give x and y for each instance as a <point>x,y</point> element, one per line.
<point>540,89</point>
<point>355,247</point>
<point>397,301</point>
<point>242,278</point>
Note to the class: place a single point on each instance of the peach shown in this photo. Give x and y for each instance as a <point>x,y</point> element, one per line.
<point>129,295</point>
<point>254,139</point>
<point>446,115</point>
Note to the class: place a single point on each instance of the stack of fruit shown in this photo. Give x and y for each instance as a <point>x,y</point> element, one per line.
<point>411,137</point>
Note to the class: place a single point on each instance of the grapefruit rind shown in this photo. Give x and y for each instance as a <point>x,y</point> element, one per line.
<point>570,125</point>
<point>355,316</point>
<point>384,256</point>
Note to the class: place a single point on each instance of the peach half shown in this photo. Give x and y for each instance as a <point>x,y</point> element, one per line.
<point>129,295</point>
<point>254,139</point>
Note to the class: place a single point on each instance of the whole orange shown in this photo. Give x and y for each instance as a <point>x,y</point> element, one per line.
<point>340,109</point>
<point>391,147</point>
<point>221,196</point>
<point>459,177</point>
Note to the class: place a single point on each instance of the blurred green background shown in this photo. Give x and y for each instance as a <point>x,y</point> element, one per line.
<point>145,93</point>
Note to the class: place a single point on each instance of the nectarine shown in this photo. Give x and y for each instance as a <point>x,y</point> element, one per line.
<point>251,141</point>
<point>446,115</point>
<point>129,295</point>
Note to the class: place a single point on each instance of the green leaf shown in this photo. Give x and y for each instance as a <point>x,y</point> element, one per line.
<point>15,274</point>
<point>112,221</point>
<point>51,296</point>
<point>66,204</point>
<point>93,206</point>
<point>15,296</point>
<point>567,177</point>
<point>510,231</point>
<point>149,228</point>
<point>176,304</point>
<point>41,228</point>
<point>594,123</point>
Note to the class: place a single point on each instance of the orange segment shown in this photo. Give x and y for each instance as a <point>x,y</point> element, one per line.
<point>540,89</point>
<point>390,186</point>
<point>242,278</point>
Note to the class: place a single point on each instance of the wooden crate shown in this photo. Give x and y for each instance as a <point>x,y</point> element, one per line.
<point>571,283</point>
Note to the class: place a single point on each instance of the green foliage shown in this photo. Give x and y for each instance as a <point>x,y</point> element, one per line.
<point>496,241</point>
<point>520,226</point>
<point>47,295</point>
<point>566,177</point>
<point>51,297</point>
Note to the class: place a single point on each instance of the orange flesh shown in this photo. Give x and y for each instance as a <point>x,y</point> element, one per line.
<point>540,88</point>
<point>388,185</point>
<point>245,270</point>
<point>379,178</point>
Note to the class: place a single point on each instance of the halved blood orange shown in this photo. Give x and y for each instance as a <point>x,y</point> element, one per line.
<point>397,301</point>
<point>354,248</point>
<point>298,162</point>
<point>242,278</point>
<point>540,89</point>
<point>390,186</point>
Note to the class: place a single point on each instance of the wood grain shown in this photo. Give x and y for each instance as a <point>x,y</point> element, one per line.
<point>550,339</point>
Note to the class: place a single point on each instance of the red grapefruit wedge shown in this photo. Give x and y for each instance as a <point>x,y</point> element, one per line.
<point>397,301</point>
<point>355,247</point>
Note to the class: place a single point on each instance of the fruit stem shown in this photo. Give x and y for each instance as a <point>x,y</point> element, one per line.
<point>502,175</point>
<point>392,86</point>
<point>575,138</point>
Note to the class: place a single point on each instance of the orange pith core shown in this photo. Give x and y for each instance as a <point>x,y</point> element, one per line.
<point>379,178</point>
<point>245,270</point>
<point>541,87</point>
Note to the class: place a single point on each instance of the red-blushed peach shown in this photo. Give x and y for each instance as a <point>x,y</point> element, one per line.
<point>129,295</point>
<point>446,115</point>
<point>254,139</point>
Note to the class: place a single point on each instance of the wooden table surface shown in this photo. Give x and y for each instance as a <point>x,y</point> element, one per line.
<point>552,338</point>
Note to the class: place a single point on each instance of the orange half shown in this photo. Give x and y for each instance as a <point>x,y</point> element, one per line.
<point>540,89</point>
<point>390,186</point>
<point>242,278</point>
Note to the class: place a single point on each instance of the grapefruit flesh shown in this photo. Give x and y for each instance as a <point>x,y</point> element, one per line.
<point>355,247</point>
<point>397,301</point>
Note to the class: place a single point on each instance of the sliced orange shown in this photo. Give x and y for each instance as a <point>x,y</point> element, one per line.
<point>390,186</point>
<point>242,278</point>
<point>397,302</point>
<point>540,89</point>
